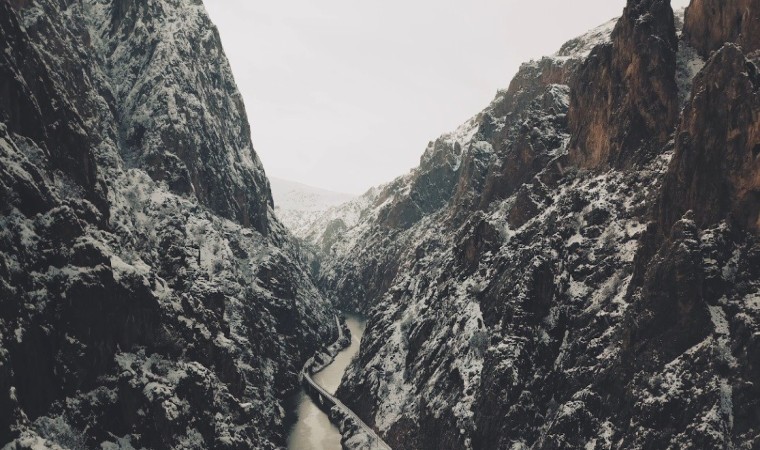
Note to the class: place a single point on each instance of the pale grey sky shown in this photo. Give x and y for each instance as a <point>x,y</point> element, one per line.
<point>345,94</point>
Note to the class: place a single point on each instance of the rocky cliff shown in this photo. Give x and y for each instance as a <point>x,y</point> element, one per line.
<point>149,298</point>
<point>624,101</point>
<point>576,266</point>
<point>712,23</point>
<point>180,115</point>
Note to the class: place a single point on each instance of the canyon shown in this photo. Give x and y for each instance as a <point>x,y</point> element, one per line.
<point>576,266</point>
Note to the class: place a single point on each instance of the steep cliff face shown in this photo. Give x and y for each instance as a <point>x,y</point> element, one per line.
<point>715,171</point>
<point>458,172</point>
<point>592,280</point>
<point>695,281</point>
<point>418,378</point>
<point>134,315</point>
<point>624,99</point>
<point>29,108</point>
<point>711,23</point>
<point>179,113</point>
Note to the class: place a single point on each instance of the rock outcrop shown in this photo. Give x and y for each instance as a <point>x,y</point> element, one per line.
<point>180,115</point>
<point>624,98</point>
<point>715,171</point>
<point>711,23</point>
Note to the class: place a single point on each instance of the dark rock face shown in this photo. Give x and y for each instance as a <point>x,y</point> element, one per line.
<point>430,188</point>
<point>715,171</point>
<point>28,108</point>
<point>711,23</point>
<point>130,316</point>
<point>547,306</point>
<point>624,98</point>
<point>178,108</point>
<point>527,146</point>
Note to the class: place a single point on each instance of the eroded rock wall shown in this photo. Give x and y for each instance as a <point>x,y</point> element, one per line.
<point>593,282</point>
<point>711,23</point>
<point>624,98</point>
<point>135,314</point>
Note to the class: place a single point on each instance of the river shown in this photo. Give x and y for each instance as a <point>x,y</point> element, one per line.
<point>312,429</point>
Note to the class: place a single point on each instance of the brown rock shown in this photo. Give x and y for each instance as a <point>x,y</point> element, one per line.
<point>624,98</point>
<point>709,24</point>
<point>716,167</point>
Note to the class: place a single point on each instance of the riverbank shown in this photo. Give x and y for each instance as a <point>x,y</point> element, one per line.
<point>312,428</point>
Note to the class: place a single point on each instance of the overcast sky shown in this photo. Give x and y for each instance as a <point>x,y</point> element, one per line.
<point>346,94</point>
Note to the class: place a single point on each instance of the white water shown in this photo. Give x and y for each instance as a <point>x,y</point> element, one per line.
<point>313,430</point>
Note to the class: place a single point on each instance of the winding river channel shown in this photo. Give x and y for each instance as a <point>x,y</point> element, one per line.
<point>312,429</point>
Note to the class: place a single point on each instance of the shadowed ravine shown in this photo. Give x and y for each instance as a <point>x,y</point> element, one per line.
<point>313,429</point>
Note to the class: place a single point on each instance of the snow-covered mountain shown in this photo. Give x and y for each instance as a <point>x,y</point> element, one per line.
<point>299,205</point>
<point>291,195</point>
<point>149,297</point>
<point>576,266</point>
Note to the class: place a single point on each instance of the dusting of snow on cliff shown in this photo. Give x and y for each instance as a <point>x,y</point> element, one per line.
<point>155,305</point>
<point>581,46</point>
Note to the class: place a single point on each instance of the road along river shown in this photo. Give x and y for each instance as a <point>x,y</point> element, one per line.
<point>313,429</point>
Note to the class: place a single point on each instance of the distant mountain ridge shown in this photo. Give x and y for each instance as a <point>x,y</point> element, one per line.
<point>292,195</point>
<point>299,205</point>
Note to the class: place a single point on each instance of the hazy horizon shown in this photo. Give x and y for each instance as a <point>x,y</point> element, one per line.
<point>345,95</point>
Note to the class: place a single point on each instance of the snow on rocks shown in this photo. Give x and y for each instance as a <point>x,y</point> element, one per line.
<point>140,312</point>
<point>503,316</point>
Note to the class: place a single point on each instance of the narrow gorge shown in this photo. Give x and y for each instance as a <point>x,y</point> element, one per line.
<point>575,267</point>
